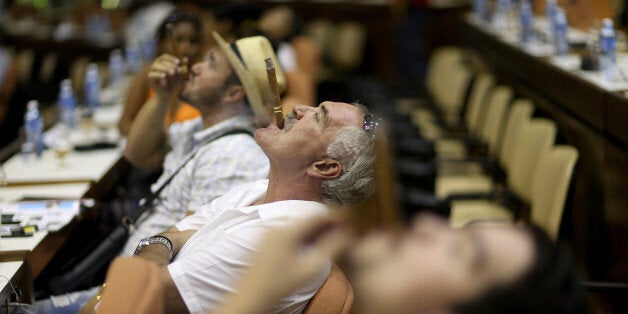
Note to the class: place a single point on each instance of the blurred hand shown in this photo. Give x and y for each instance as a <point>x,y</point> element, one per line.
<point>291,256</point>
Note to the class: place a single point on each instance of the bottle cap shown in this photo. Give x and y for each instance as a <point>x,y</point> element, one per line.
<point>66,83</point>
<point>32,104</point>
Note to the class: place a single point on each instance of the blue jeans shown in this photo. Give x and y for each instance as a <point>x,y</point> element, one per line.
<point>69,303</point>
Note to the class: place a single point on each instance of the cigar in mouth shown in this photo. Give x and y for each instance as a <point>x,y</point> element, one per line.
<point>274,92</point>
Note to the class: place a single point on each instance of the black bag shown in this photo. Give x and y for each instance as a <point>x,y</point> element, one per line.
<point>87,268</point>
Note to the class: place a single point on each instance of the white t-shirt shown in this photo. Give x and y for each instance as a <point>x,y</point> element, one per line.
<point>229,233</point>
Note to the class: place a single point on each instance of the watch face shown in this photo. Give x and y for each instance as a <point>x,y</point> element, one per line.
<point>140,246</point>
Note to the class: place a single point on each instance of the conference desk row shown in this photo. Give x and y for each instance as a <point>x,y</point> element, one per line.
<point>83,174</point>
<point>592,116</point>
<point>86,175</point>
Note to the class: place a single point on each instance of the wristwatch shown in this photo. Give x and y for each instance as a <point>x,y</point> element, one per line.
<point>154,239</point>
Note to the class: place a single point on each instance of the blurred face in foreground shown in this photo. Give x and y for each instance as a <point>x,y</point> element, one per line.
<point>433,267</point>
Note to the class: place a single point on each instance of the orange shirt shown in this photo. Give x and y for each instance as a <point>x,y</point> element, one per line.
<point>185,111</point>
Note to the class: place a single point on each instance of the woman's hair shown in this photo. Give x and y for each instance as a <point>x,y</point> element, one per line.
<point>551,285</point>
<point>175,17</point>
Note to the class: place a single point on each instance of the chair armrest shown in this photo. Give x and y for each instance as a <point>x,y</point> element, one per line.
<point>469,197</point>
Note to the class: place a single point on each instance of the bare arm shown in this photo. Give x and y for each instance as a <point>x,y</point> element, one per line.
<point>159,254</point>
<point>135,99</point>
<point>147,137</point>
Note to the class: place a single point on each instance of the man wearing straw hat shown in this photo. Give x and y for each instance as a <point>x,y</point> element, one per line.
<point>322,156</point>
<point>202,158</point>
<point>224,155</point>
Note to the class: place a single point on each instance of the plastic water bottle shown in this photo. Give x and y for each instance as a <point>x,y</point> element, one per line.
<point>67,104</point>
<point>527,20</point>
<point>134,57</point>
<point>480,8</point>
<point>561,45</point>
<point>550,14</point>
<point>116,67</point>
<point>33,127</point>
<point>607,45</point>
<point>149,48</point>
<point>500,18</point>
<point>92,88</point>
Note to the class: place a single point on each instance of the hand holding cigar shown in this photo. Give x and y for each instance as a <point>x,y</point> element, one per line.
<point>172,37</point>
<point>274,92</point>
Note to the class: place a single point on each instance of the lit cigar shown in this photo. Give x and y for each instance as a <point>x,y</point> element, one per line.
<point>172,37</point>
<point>274,92</point>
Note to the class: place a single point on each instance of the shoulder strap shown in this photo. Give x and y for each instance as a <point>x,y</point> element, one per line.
<point>148,200</point>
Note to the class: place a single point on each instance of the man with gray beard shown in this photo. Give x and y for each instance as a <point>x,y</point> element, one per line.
<point>322,156</point>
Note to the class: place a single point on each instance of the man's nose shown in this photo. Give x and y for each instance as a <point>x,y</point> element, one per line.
<point>300,111</point>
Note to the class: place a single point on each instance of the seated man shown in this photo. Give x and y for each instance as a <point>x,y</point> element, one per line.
<point>205,157</point>
<point>484,267</point>
<point>223,152</point>
<point>323,155</point>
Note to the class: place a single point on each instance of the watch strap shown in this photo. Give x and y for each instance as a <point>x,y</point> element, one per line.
<point>160,239</point>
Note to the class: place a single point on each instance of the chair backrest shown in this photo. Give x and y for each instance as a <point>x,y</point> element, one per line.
<point>493,122</point>
<point>133,286</point>
<point>520,112</point>
<point>439,61</point>
<point>453,91</point>
<point>550,187</point>
<point>535,139</point>
<point>477,99</point>
<point>349,45</point>
<point>335,296</point>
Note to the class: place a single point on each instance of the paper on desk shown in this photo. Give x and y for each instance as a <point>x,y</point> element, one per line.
<point>49,215</point>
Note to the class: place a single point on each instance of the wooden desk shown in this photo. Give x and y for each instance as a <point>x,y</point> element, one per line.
<point>18,275</point>
<point>44,191</point>
<point>574,95</point>
<point>40,249</point>
<point>79,167</point>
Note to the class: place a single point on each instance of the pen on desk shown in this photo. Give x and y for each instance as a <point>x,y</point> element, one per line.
<point>274,92</point>
<point>17,231</point>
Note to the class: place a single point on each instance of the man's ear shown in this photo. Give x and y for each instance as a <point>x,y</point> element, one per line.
<point>233,93</point>
<point>325,168</point>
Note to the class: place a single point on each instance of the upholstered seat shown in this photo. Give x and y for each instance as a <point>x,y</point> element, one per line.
<point>549,190</point>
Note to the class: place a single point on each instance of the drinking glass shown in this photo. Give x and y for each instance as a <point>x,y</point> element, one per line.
<point>61,145</point>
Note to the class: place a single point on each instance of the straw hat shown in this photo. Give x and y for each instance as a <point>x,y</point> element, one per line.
<point>246,57</point>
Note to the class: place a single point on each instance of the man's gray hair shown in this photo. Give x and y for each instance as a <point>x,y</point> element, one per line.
<point>353,148</point>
